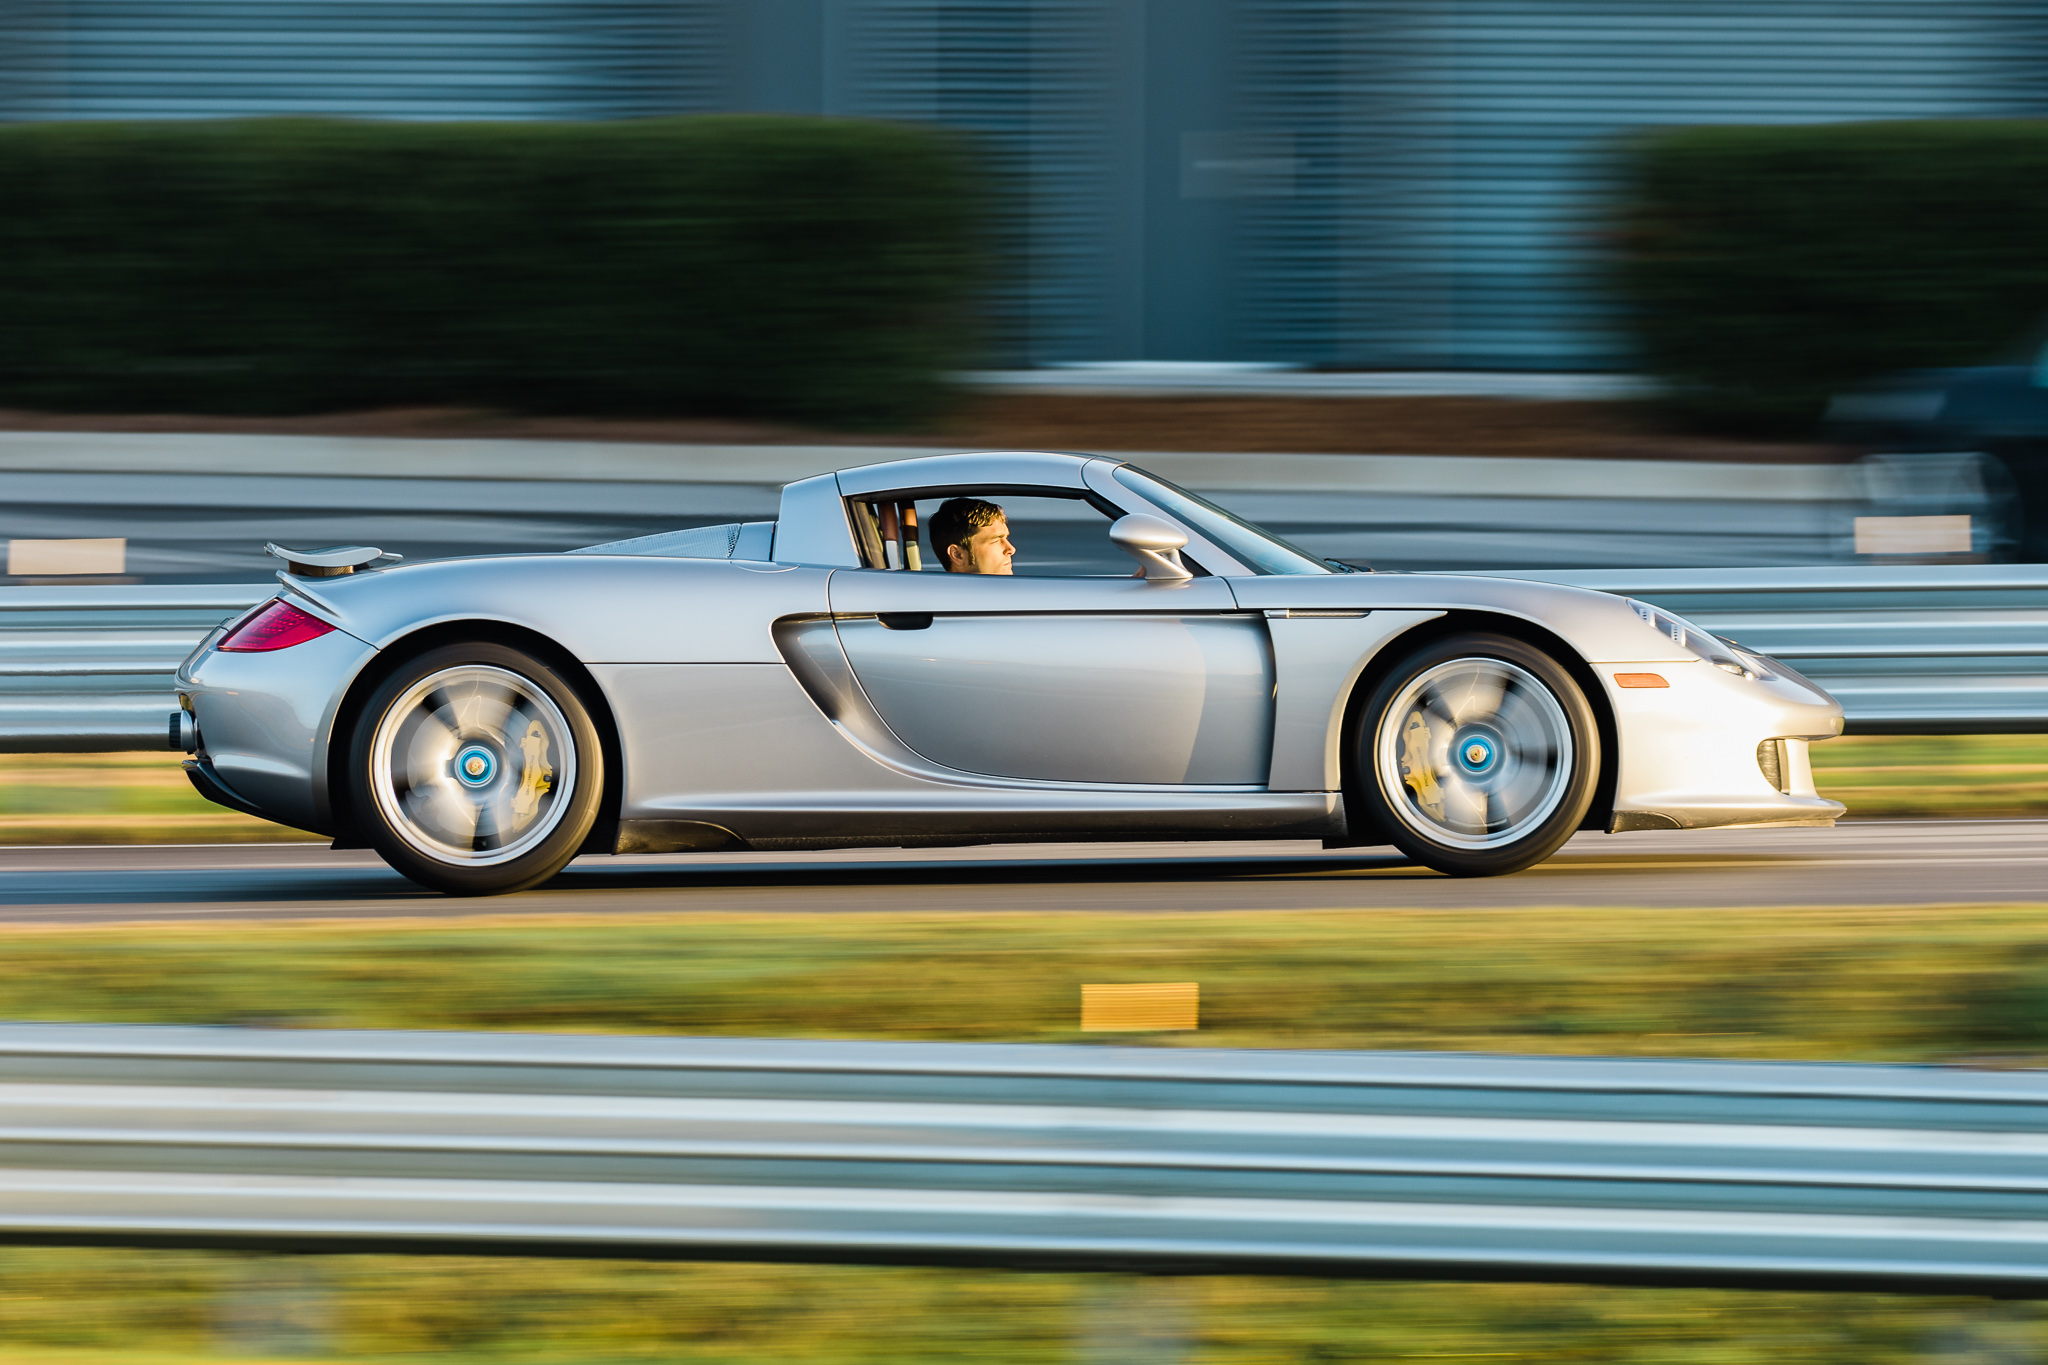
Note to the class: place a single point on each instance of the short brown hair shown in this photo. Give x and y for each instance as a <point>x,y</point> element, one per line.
<point>955,523</point>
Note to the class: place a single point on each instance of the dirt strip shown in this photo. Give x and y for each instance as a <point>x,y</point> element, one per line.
<point>1206,422</point>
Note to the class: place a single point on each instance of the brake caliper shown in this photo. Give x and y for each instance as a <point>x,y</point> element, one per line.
<point>1417,771</point>
<point>536,776</point>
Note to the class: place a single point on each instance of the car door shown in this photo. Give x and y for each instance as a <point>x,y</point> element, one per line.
<point>1068,680</point>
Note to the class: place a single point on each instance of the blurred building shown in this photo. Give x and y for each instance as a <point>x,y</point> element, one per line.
<point>1359,183</point>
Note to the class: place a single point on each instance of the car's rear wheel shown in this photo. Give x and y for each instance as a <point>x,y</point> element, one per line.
<point>475,769</point>
<point>1477,755</point>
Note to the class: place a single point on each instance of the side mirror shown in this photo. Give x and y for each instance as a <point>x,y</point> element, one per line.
<point>1153,543</point>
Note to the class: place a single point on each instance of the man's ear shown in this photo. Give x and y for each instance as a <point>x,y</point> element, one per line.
<point>957,560</point>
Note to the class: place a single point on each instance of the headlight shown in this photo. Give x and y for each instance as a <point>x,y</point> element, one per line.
<point>1722,654</point>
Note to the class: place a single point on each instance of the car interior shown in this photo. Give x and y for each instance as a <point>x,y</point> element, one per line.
<point>1055,537</point>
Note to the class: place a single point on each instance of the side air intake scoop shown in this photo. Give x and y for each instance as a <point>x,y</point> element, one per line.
<point>330,562</point>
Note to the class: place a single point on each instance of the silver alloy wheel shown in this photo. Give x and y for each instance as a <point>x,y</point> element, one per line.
<point>473,765</point>
<point>1475,753</point>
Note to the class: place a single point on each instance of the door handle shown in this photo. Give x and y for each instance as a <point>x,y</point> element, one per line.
<point>904,620</point>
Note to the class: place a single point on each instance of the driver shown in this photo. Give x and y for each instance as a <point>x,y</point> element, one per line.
<point>972,536</point>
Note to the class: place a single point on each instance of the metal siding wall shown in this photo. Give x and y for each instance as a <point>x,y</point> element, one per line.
<point>1302,80</point>
<point>1452,148</point>
<point>1446,152</point>
<point>1031,82</point>
<point>408,59</point>
<point>1199,170</point>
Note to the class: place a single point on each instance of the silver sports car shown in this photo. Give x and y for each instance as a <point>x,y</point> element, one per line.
<point>824,680</point>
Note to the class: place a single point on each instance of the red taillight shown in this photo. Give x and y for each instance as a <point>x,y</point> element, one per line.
<point>278,626</point>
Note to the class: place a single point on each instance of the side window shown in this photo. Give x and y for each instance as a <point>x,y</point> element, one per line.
<point>1052,537</point>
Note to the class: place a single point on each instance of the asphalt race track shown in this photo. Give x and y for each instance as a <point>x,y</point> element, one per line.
<point>1911,862</point>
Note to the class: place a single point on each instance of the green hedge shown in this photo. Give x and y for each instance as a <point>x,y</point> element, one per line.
<point>1761,269</point>
<point>818,270</point>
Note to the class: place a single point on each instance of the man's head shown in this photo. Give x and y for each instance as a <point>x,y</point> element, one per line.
<point>971,536</point>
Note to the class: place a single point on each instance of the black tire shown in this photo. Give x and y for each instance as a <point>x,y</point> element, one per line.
<point>475,770</point>
<point>1476,755</point>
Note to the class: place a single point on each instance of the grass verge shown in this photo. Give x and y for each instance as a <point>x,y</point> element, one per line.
<point>167,1308</point>
<point>133,798</point>
<point>1935,775</point>
<point>1910,983</point>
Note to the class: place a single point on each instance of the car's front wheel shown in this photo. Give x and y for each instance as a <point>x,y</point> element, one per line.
<point>475,769</point>
<point>1477,755</point>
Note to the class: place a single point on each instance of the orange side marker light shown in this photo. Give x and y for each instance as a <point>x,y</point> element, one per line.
<point>1640,680</point>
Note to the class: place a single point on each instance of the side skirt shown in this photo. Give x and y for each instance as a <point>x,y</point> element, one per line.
<point>1302,815</point>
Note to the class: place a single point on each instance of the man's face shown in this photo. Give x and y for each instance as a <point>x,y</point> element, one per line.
<point>988,550</point>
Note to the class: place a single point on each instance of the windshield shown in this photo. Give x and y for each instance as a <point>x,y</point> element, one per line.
<point>1265,553</point>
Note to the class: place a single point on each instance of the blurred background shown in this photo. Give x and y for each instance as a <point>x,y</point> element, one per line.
<point>1354,184</point>
<point>1740,245</point>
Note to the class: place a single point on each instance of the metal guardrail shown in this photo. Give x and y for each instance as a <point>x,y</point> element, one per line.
<point>87,669</point>
<point>1362,1164</point>
<point>1907,649</point>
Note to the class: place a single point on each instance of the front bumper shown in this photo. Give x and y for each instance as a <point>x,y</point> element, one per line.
<point>1689,750</point>
<point>265,722</point>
